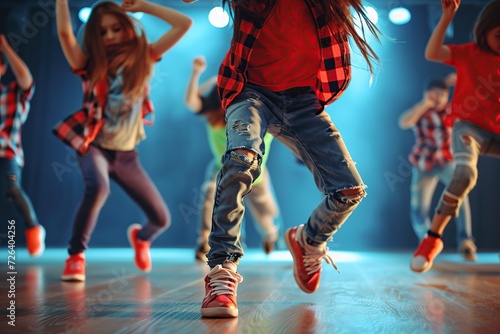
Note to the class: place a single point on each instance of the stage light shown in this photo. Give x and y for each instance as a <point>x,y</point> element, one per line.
<point>218,17</point>
<point>84,14</point>
<point>399,15</point>
<point>372,14</point>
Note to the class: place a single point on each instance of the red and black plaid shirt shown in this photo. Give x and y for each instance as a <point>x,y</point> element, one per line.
<point>433,140</point>
<point>80,129</point>
<point>14,109</point>
<point>333,74</point>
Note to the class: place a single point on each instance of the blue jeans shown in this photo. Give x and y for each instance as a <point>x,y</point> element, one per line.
<point>13,194</point>
<point>300,123</point>
<point>423,185</point>
<point>260,201</point>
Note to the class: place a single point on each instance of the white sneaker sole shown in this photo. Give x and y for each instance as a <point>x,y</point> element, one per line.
<point>73,278</point>
<point>219,312</point>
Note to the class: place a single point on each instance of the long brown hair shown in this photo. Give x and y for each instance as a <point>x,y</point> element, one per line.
<point>133,55</point>
<point>337,14</point>
<point>488,19</point>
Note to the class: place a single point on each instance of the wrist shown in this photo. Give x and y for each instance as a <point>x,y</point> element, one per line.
<point>146,7</point>
<point>446,19</point>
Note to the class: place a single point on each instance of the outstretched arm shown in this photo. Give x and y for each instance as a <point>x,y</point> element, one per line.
<point>74,54</point>
<point>180,23</point>
<point>436,50</point>
<point>193,99</point>
<point>19,68</point>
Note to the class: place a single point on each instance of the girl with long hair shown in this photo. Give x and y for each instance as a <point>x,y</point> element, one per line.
<point>115,63</point>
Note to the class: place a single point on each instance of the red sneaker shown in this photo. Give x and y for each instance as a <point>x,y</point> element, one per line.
<point>220,293</point>
<point>306,263</point>
<point>35,240</point>
<point>142,256</point>
<point>425,254</point>
<point>75,268</point>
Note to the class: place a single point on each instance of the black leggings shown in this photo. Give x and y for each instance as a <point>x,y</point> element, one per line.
<point>13,193</point>
<point>98,166</point>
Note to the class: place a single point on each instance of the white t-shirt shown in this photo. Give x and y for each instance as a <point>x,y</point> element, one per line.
<point>123,128</point>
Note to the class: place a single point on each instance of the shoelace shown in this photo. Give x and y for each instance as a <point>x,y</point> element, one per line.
<point>312,261</point>
<point>223,282</point>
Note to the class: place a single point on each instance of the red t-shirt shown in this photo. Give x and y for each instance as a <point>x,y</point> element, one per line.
<point>477,93</point>
<point>286,53</point>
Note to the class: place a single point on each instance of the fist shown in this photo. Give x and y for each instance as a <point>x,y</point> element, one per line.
<point>199,63</point>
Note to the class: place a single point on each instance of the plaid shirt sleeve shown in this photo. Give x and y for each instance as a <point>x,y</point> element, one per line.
<point>23,99</point>
<point>15,112</point>
<point>333,75</point>
<point>79,129</point>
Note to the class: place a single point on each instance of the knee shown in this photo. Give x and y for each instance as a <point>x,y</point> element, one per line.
<point>13,190</point>
<point>241,164</point>
<point>464,177</point>
<point>97,192</point>
<point>247,153</point>
<point>162,217</point>
<point>351,196</point>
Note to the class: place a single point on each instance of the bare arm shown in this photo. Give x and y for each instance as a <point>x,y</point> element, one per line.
<point>72,50</point>
<point>411,116</point>
<point>208,84</point>
<point>436,50</point>
<point>19,68</point>
<point>180,23</point>
<point>193,100</point>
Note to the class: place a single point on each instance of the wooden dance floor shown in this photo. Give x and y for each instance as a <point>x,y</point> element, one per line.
<point>375,293</point>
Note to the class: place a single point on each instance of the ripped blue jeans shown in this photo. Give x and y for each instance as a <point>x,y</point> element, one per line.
<point>300,123</point>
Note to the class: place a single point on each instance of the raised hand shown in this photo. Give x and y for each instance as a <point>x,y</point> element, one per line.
<point>430,100</point>
<point>133,5</point>
<point>199,64</point>
<point>450,7</point>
